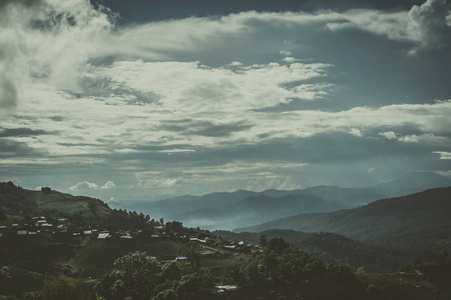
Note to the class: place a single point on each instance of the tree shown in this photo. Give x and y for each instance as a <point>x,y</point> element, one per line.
<point>2,213</point>
<point>134,275</point>
<point>63,287</point>
<point>235,276</point>
<point>46,190</point>
<point>194,285</point>
<point>263,241</point>
<point>171,272</point>
<point>278,245</point>
<point>169,294</point>
<point>4,272</point>
<point>174,226</point>
<point>191,251</point>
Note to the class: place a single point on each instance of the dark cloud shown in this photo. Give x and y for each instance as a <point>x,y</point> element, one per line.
<point>57,118</point>
<point>431,21</point>
<point>325,148</point>
<point>203,128</point>
<point>99,87</point>
<point>3,3</point>
<point>321,149</point>
<point>138,11</point>
<point>13,149</point>
<point>21,132</point>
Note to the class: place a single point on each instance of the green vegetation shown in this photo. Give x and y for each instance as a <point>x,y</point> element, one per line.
<point>332,248</point>
<point>4,272</point>
<point>418,221</point>
<point>134,275</point>
<point>63,287</point>
<point>20,202</point>
<point>88,251</point>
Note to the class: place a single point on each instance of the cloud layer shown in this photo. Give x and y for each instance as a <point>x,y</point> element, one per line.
<point>250,100</point>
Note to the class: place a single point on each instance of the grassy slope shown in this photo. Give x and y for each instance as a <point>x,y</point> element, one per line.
<point>16,200</point>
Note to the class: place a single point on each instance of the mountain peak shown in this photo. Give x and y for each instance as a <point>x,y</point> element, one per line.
<point>410,183</point>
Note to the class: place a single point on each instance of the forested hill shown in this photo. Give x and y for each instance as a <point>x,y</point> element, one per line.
<point>419,220</point>
<point>333,248</point>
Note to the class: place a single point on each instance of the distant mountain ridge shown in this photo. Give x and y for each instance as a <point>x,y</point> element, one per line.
<point>209,211</point>
<point>254,209</point>
<point>411,183</point>
<point>420,220</point>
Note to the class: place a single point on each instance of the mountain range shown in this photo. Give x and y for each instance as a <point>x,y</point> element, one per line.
<point>253,209</point>
<point>245,208</point>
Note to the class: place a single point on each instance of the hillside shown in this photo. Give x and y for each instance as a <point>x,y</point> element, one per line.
<point>20,202</point>
<point>420,220</point>
<point>333,248</point>
<point>254,210</point>
<point>87,251</point>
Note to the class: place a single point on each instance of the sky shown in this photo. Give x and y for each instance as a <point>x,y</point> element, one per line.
<point>146,100</point>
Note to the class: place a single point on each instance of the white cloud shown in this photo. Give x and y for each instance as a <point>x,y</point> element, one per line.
<point>263,183</point>
<point>431,22</point>
<point>427,25</point>
<point>356,132</point>
<point>443,154</point>
<point>170,151</point>
<point>285,53</point>
<point>192,87</point>
<point>389,135</point>
<point>108,185</point>
<point>428,138</point>
<point>103,90</point>
<point>83,186</point>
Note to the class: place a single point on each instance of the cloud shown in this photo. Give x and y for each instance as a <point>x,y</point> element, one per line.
<point>428,26</point>
<point>60,43</point>
<point>388,135</point>
<point>13,132</point>
<point>443,154</point>
<point>11,150</point>
<point>170,151</point>
<point>263,183</point>
<point>203,127</point>
<point>431,21</point>
<point>83,186</point>
<point>4,3</point>
<point>192,87</point>
<point>108,185</point>
<point>246,100</point>
<point>8,92</point>
<point>47,41</point>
